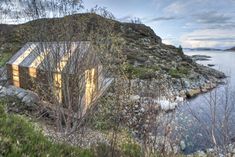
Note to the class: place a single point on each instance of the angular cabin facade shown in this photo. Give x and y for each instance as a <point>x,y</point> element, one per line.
<point>59,71</point>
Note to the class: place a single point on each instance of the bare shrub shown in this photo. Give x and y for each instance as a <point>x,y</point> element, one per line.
<point>216,118</point>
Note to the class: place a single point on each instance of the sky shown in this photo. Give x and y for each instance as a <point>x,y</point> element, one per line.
<point>190,23</point>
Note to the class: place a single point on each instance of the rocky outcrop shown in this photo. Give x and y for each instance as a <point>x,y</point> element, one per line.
<point>25,96</point>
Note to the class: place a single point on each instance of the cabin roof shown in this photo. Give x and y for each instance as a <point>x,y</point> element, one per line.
<point>54,55</point>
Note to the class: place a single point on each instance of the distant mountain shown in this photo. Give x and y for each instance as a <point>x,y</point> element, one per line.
<point>231,49</point>
<point>203,49</point>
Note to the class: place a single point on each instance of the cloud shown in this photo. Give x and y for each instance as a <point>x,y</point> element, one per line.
<point>167,41</point>
<point>170,40</point>
<point>163,18</point>
<point>126,18</point>
<point>214,39</point>
<point>212,17</point>
<point>209,38</point>
<point>176,7</point>
<point>131,18</point>
<point>213,20</point>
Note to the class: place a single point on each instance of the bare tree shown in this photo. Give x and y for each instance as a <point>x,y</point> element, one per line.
<point>136,20</point>
<point>216,118</point>
<point>102,11</point>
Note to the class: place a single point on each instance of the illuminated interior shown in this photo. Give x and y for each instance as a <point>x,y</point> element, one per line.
<point>32,72</point>
<point>57,76</point>
<point>58,86</point>
<point>90,86</point>
<point>15,75</point>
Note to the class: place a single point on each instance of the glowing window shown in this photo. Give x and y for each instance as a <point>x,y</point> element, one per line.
<point>90,86</point>
<point>58,86</point>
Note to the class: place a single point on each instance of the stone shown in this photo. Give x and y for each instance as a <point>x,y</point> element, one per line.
<point>186,83</point>
<point>10,92</point>
<point>182,145</point>
<point>176,149</point>
<point>193,92</point>
<point>30,98</point>
<point>210,150</point>
<point>3,92</point>
<point>204,90</point>
<point>142,110</point>
<point>134,97</point>
<point>21,95</point>
<point>18,90</point>
<point>200,153</point>
<point>3,79</point>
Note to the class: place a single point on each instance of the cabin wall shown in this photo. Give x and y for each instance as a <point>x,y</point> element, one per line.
<point>9,74</point>
<point>37,80</point>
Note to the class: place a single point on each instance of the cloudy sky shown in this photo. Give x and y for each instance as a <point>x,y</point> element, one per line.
<point>190,23</point>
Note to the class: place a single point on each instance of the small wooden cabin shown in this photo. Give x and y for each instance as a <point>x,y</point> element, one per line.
<point>61,70</point>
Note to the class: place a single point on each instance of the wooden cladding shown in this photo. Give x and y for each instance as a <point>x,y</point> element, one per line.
<point>24,55</point>
<point>15,75</point>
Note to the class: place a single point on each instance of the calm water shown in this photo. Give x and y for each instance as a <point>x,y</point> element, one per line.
<point>223,61</point>
<point>192,130</point>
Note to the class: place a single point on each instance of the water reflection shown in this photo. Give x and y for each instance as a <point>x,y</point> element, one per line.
<point>210,111</point>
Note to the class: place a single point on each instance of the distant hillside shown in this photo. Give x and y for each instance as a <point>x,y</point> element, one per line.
<point>231,49</point>
<point>203,49</point>
<point>147,56</point>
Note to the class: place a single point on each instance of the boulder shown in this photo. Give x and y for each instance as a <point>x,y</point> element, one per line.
<point>21,95</point>
<point>3,92</point>
<point>193,92</point>
<point>10,92</point>
<point>182,145</point>
<point>31,98</point>
<point>200,154</point>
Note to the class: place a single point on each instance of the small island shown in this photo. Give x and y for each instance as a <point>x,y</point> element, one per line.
<point>200,57</point>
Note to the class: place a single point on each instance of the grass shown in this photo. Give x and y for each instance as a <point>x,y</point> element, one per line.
<point>7,50</point>
<point>4,57</point>
<point>140,71</point>
<point>179,72</point>
<point>18,137</point>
